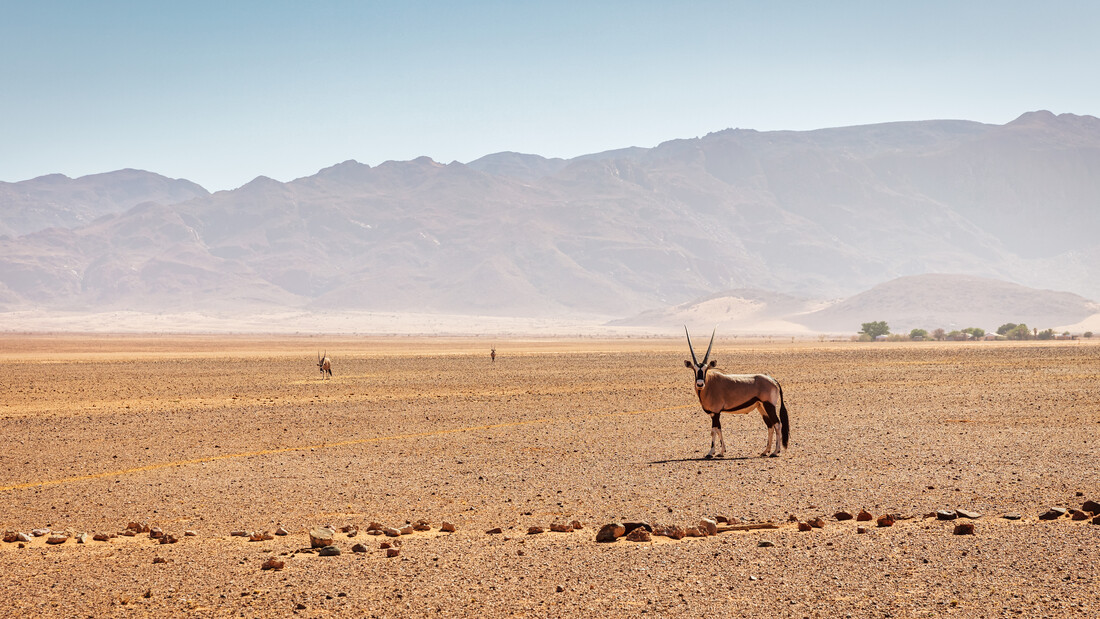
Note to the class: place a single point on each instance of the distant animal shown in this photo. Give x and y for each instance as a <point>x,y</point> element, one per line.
<point>324,365</point>
<point>737,393</point>
<point>493,355</point>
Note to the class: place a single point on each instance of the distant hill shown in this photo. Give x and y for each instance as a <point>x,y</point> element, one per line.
<point>811,215</point>
<point>57,201</point>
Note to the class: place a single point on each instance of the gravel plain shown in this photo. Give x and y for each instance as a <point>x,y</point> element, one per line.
<point>222,434</point>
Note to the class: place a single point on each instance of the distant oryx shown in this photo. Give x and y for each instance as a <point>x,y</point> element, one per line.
<point>324,365</point>
<point>493,355</point>
<point>737,393</point>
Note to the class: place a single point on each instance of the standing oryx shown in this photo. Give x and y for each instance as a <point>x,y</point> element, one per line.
<point>738,393</point>
<point>324,365</point>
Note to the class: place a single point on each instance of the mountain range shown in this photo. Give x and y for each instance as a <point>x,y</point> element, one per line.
<point>818,215</point>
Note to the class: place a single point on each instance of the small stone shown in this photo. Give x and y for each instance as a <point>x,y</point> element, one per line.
<point>156,533</point>
<point>280,531</point>
<point>576,524</point>
<point>494,531</point>
<point>694,532</point>
<point>964,528</point>
<point>138,527</point>
<point>610,532</point>
<point>358,548</point>
<point>374,526</point>
<point>559,589</point>
<point>534,530</point>
<point>804,526</point>
<point>1053,513</point>
<point>1091,506</point>
<point>639,534</point>
<point>447,527</point>
<point>101,537</point>
<point>40,532</point>
<point>385,545</point>
<point>129,533</point>
<point>946,514</point>
<point>347,528</point>
<point>965,513</point>
<point>422,525</point>
<point>1095,520</point>
<point>329,551</point>
<point>261,536</point>
<point>861,530</point>
<point>561,527</point>
<point>1077,514</point>
<point>392,552</point>
<point>190,533</point>
<point>22,537</point>
<point>353,532</point>
<point>843,515</point>
<point>630,526</point>
<point>864,516</point>
<point>320,537</point>
<point>159,560</point>
<point>765,544</point>
<point>273,564</point>
<point>9,536</point>
<point>1012,516</point>
<point>733,520</point>
<point>817,523</point>
<point>239,533</point>
<point>392,532</point>
<point>406,530</point>
<point>885,521</point>
<point>57,538</point>
<point>299,606</point>
<point>709,526</point>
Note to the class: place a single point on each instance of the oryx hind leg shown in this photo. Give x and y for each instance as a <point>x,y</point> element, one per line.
<point>771,419</point>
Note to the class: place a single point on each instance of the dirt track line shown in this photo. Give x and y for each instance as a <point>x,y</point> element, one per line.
<point>360,441</point>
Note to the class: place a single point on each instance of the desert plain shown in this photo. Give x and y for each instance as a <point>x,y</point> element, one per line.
<point>223,434</point>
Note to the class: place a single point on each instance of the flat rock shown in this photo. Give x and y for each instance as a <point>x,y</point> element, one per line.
<point>101,537</point>
<point>535,530</point>
<point>1053,513</point>
<point>946,514</point>
<point>329,551</point>
<point>694,532</point>
<point>1091,506</point>
<point>447,527</point>
<point>964,528</point>
<point>281,531</point>
<point>40,532</point>
<point>406,530</point>
<point>392,552</point>
<point>358,548</point>
<point>817,523</point>
<point>639,534</point>
<point>422,525</point>
<point>965,513</point>
<point>675,532</point>
<point>1011,516</point>
<point>1077,514</point>
<point>190,533</point>
<point>391,532</point>
<point>273,564</point>
<point>843,515</point>
<point>765,544</point>
<point>57,538</point>
<point>561,527</point>
<point>320,537</point>
<point>494,531</point>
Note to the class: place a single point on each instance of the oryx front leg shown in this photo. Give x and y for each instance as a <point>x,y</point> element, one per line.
<point>716,438</point>
<point>778,429</point>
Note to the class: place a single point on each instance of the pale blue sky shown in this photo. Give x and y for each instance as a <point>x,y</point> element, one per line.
<point>221,92</point>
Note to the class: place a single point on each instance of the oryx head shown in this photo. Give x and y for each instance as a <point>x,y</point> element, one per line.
<point>700,368</point>
<point>321,361</point>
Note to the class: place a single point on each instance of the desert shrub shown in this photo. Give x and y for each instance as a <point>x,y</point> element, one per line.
<point>875,329</point>
<point>1046,334</point>
<point>1006,328</point>
<point>918,334</point>
<point>1088,334</point>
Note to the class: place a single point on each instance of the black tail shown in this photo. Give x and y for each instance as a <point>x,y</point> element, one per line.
<point>783,415</point>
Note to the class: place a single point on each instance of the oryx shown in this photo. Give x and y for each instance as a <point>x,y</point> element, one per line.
<point>324,365</point>
<point>737,393</point>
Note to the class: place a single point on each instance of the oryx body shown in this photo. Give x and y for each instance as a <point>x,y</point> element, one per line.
<point>738,393</point>
<point>324,365</point>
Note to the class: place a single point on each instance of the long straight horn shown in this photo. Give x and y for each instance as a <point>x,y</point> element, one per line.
<point>691,348</point>
<point>707,356</point>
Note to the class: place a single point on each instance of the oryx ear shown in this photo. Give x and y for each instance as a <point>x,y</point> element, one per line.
<point>689,364</point>
<point>713,362</point>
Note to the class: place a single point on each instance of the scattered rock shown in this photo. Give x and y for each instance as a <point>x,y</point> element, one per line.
<point>721,519</point>
<point>1077,514</point>
<point>57,538</point>
<point>238,533</point>
<point>168,538</point>
<point>804,526</point>
<point>374,526</point>
<point>347,528</point>
<point>710,527</point>
<point>9,536</point>
<point>964,528</point>
<point>1053,513</point>
<point>1012,516</point>
<point>843,515</point>
<point>447,527</point>
<point>577,526</point>
<point>406,530</point>
<point>190,533</point>
<point>965,513</point>
<point>280,532</point>
<point>1091,506</point>
<point>817,523</point>
<point>792,518</point>
<point>391,532</point>
<point>639,534</point>
<point>765,544</point>
<point>358,548</point>
<point>630,526</point>
<point>385,545</point>
<point>861,530</point>
<point>694,532</point>
<point>946,514</point>
<point>261,536</point>
<point>1095,520</point>
<point>353,532</point>
<point>320,537</point>
<point>40,532</point>
<point>329,551</point>
<point>559,589</point>
<point>885,521</point>
<point>392,552</point>
<point>273,564</point>
<point>535,530</point>
<point>156,533</point>
<point>422,525</point>
<point>561,527</point>
<point>675,532</point>
<point>159,560</point>
<point>864,516</point>
<point>494,531</point>
<point>610,532</point>
<point>299,606</point>
<point>734,520</point>
<point>22,537</point>
<point>138,527</point>
<point>101,537</point>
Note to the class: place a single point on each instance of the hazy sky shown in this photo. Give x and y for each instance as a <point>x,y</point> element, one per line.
<point>221,92</point>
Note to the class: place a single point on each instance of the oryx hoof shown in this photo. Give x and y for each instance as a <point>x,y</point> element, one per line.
<point>773,455</point>
<point>707,457</point>
<point>720,456</point>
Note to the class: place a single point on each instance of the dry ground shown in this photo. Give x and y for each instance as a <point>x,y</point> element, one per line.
<point>219,434</point>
